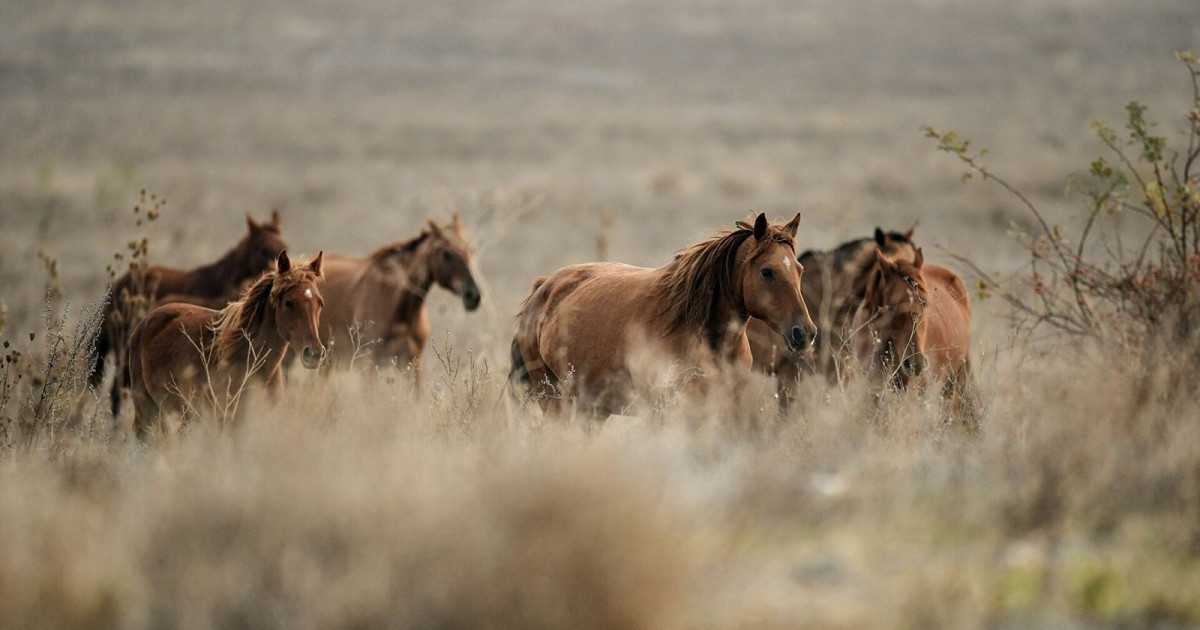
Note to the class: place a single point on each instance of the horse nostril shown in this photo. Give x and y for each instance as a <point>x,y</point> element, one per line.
<point>308,352</point>
<point>800,337</point>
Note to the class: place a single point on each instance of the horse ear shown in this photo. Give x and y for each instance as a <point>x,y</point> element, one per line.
<point>283,264</point>
<point>434,228</point>
<point>275,220</point>
<point>760,226</point>
<point>793,225</point>
<point>880,238</point>
<point>919,259</point>
<point>885,265</point>
<point>315,265</point>
<point>908,234</point>
<point>251,224</point>
<point>457,224</point>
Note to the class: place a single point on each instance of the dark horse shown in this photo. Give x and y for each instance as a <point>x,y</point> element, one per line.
<point>597,332</point>
<point>182,356</point>
<point>835,282</point>
<point>211,285</point>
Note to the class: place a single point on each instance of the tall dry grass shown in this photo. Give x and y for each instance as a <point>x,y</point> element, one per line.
<point>354,504</point>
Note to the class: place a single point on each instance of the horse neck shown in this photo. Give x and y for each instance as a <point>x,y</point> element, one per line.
<point>418,280</point>
<point>221,277</point>
<point>261,344</point>
<point>727,321</point>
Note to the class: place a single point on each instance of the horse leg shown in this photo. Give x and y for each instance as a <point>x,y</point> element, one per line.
<point>967,396</point>
<point>418,376</point>
<point>787,375</point>
<point>145,412</point>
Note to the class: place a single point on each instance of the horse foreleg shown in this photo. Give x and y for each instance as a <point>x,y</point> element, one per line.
<point>146,415</point>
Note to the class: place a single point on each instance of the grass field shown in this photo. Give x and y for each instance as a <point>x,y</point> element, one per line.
<point>566,132</point>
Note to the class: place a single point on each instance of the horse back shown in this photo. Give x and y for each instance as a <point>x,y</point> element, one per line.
<point>168,346</point>
<point>577,321</point>
<point>949,317</point>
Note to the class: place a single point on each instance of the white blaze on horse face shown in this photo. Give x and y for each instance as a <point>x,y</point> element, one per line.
<point>787,261</point>
<point>308,293</point>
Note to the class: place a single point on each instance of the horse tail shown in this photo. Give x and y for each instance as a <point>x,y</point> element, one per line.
<point>103,345</point>
<point>121,381</point>
<point>519,374</point>
<point>520,378</point>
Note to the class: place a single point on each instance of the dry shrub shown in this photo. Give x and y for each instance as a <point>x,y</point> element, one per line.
<point>1139,286</point>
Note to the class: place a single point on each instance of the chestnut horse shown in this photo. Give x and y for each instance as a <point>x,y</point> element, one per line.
<point>581,330</point>
<point>835,282</point>
<point>182,356</point>
<point>914,326</point>
<point>211,285</point>
<point>377,303</point>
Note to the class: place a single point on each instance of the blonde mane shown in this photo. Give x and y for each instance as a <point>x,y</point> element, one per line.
<point>238,320</point>
<point>703,274</point>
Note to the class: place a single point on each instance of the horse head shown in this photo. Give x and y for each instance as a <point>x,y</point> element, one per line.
<point>893,312</point>
<point>770,282</point>
<point>449,261</point>
<point>297,305</point>
<point>260,248</point>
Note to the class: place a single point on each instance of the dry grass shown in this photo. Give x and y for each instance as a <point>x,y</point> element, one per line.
<point>354,504</point>
<point>563,132</point>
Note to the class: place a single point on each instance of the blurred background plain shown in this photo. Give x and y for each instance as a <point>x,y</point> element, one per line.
<point>562,131</point>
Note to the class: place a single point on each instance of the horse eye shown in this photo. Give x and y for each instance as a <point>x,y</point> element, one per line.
<point>767,274</point>
<point>446,257</point>
<point>287,304</point>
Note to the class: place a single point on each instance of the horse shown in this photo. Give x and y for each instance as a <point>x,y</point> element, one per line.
<point>377,303</point>
<point>211,285</point>
<point>582,331</point>
<point>182,355</point>
<point>835,283</point>
<point>913,326</point>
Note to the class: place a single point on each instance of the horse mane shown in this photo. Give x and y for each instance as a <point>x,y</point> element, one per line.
<point>406,247</point>
<point>857,256</point>
<point>239,319</point>
<point>703,274</point>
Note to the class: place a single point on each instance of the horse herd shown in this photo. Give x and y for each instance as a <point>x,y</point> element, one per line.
<point>588,336</point>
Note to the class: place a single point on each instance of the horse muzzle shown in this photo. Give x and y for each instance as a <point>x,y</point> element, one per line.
<point>913,366</point>
<point>471,298</point>
<point>312,359</point>
<point>799,338</point>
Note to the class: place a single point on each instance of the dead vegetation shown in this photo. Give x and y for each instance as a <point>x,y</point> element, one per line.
<point>354,503</point>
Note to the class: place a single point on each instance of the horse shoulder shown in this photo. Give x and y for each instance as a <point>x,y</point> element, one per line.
<point>947,280</point>
<point>740,354</point>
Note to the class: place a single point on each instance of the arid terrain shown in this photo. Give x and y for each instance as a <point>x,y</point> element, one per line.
<point>565,132</point>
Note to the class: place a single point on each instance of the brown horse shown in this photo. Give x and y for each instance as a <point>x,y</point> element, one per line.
<point>211,285</point>
<point>835,282</point>
<point>377,304</point>
<point>182,356</point>
<point>583,331</point>
<point>914,325</point>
